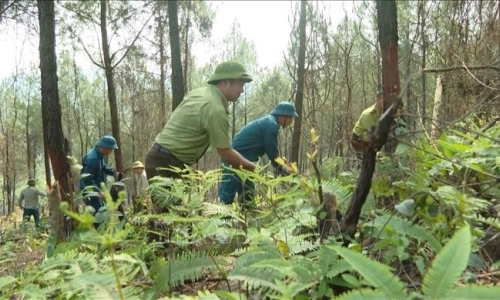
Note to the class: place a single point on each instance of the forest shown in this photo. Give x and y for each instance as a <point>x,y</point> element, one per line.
<point>416,217</point>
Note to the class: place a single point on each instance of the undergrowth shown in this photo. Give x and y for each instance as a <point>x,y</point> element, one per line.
<point>426,232</point>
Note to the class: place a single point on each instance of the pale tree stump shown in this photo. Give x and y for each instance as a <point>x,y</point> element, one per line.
<point>57,226</point>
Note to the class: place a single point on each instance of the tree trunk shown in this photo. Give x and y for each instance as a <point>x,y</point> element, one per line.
<point>388,39</point>
<point>163,64</point>
<point>113,105</point>
<point>28,140</point>
<point>54,141</point>
<point>299,96</point>
<point>186,46</point>
<point>387,26</point>
<point>424,47</point>
<point>175,49</point>
<point>438,112</point>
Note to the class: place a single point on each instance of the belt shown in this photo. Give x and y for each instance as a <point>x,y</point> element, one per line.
<point>160,148</point>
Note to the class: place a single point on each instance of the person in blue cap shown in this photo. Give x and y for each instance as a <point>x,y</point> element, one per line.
<point>95,170</point>
<point>256,139</point>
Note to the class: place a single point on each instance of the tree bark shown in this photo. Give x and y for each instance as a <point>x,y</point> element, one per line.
<point>424,48</point>
<point>388,39</point>
<point>186,46</point>
<point>113,105</point>
<point>438,111</point>
<point>299,95</point>
<point>54,141</point>
<point>163,63</point>
<point>387,26</point>
<point>175,49</point>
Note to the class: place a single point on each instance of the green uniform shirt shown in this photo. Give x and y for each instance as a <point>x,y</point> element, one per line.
<point>30,197</point>
<point>202,119</point>
<point>368,118</point>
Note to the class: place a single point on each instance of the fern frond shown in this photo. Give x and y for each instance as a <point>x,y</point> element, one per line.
<point>302,247</point>
<point>404,226</point>
<point>214,209</point>
<point>246,270</point>
<point>449,263</point>
<point>5,281</point>
<point>363,294</point>
<point>340,267</point>
<point>187,265</point>
<point>377,274</point>
<point>474,292</point>
<point>342,193</point>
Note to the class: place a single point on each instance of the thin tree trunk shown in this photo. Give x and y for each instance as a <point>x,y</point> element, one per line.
<point>28,140</point>
<point>113,105</point>
<point>438,112</point>
<point>424,48</point>
<point>299,96</point>
<point>387,24</point>
<point>163,64</point>
<point>54,141</point>
<point>186,46</point>
<point>175,49</point>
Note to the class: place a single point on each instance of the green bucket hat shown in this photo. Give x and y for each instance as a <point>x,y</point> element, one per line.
<point>31,182</point>
<point>285,108</point>
<point>229,70</point>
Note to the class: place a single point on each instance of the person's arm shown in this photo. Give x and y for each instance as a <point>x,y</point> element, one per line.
<point>20,200</point>
<point>217,127</point>
<point>270,142</point>
<point>41,193</point>
<point>108,170</point>
<point>235,159</point>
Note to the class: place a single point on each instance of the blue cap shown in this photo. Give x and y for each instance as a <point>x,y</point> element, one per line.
<point>285,108</point>
<point>107,141</point>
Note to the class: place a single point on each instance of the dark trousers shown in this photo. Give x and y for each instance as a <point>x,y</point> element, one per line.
<point>160,157</point>
<point>232,184</point>
<point>35,212</point>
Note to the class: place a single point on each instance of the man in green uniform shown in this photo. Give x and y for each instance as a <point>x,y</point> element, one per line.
<point>31,205</point>
<point>368,119</point>
<point>201,120</point>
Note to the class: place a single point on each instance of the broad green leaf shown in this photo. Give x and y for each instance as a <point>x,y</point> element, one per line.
<point>377,274</point>
<point>406,207</point>
<point>402,148</point>
<point>448,265</point>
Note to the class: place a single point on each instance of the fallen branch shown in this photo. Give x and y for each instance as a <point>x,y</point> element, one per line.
<point>455,68</point>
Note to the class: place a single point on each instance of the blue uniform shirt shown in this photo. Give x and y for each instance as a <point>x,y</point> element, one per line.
<point>256,139</point>
<point>94,165</point>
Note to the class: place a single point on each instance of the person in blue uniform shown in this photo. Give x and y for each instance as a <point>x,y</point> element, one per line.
<point>256,139</point>
<point>95,170</point>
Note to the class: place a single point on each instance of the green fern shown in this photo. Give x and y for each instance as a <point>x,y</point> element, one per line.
<point>257,277</point>
<point>5,281</point>
<point>363,294</point>
<point>187,265</point>
<point>342,193</point>
<point>448,265</point>
<point>377,274</point>
<point>474,292</point>
<point>404,226</point>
